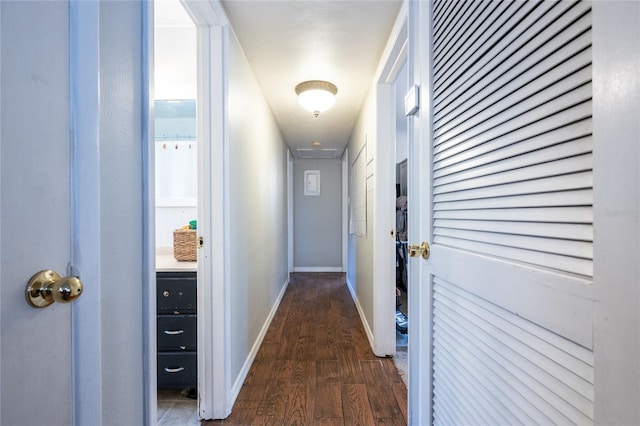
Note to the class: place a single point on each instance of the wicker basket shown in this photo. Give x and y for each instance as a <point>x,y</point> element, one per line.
<point>184,245</point>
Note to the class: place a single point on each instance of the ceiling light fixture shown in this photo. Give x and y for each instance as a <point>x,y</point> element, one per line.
<point>316,143</point>
<point>316,96</point>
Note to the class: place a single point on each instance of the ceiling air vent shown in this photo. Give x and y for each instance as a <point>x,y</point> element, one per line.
<point>317,153</point>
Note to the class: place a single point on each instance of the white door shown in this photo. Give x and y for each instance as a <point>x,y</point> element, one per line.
<point>36,211</point>
<point>71,193</point>
<point>503,170</point>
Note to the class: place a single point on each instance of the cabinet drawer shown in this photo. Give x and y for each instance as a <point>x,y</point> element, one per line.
<point>176,292</point>
<point>177,332</point>
<point>177,370</point>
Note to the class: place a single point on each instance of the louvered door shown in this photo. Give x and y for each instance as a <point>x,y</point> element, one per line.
<point>511,213</point>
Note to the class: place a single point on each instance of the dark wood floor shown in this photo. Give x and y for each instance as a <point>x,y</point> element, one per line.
<point>315,365</point>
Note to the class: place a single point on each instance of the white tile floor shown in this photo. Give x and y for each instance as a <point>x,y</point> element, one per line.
<point>174,409</point>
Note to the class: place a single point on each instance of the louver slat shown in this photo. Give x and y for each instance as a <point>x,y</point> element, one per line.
<point>562,231</point>
<point>545,215</point>
<point>531,201</point>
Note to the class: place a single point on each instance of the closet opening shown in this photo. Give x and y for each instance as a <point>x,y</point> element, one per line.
<point>402,323</point>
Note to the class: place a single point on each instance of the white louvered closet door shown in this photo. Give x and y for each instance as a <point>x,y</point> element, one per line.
<point>511,213</point>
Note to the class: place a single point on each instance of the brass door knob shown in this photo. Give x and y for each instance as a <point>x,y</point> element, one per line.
<point>46,287</point>
<point>420,250</point>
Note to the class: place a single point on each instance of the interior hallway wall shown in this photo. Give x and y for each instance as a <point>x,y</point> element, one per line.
<point>318,219</point>
<point>257,210</point>
<point>360,248</point>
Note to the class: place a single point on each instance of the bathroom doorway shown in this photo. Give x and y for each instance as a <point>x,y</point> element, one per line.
<point>176,212</point>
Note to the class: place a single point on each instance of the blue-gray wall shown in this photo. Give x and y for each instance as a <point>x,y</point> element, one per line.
<point>318,219</point>
<point>257,211</point>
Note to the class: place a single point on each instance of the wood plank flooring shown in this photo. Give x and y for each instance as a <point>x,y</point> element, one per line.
<point>315,365</point>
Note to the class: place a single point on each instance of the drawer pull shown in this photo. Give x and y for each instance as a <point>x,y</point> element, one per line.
<point>173,332</point>
<point>174,369</point>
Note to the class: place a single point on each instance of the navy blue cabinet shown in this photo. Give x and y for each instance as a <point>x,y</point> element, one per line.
<point>177,329</point>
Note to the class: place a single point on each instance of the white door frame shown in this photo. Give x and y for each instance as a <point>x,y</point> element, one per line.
<point>384,221</point>
<point>214,387</point>
<point>345,210</point>
<point>84,69</point>
<point>418,181</point>
<point>616,211</point>
<point>290,207</point>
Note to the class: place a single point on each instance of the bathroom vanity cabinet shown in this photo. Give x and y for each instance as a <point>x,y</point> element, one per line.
<point>177,329</point>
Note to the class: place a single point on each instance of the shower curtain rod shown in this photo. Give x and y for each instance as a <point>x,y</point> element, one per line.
<point>179,138</point>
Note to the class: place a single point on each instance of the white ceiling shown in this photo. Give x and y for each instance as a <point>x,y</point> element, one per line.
<point>291,41</point>
<point>288,42</point>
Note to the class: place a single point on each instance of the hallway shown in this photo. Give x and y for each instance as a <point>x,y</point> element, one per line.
<point>315,365</point>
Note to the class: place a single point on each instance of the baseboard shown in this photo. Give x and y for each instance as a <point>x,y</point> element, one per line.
<point>318,269</point>
<point>244,371</point>
<point>363,318</point>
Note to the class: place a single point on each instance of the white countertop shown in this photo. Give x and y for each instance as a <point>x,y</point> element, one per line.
<point>165,262</point>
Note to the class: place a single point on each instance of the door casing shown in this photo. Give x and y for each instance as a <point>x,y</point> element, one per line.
<point>393,59</point>
<point>214,389</point>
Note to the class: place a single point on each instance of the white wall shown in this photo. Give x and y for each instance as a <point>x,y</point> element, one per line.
<point>318,219</point>
<point>175,64</point>
<point>360,249</point>
<point>258,210</point>
<point>371,258</point>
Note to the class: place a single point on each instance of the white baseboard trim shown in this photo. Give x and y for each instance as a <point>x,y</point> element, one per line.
<point>244,371</point>
<point>318,269</point>
<point>363,318</point>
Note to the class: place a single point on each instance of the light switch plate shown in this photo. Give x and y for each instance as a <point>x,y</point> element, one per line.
<point>411,101</point>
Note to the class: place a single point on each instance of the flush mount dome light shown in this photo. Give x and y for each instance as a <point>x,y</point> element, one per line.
<point>316,96</point>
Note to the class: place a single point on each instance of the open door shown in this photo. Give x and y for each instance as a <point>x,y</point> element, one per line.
<point>36,207</point>
<point>214,394</point>
<point>508,169</point>
<point>71,143</point>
